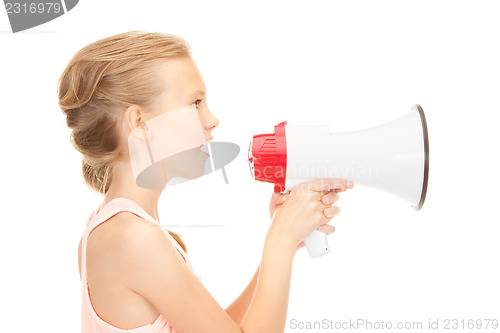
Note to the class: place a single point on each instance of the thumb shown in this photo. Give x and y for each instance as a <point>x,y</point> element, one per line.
<point>275,197</point>
<point>281,197</point>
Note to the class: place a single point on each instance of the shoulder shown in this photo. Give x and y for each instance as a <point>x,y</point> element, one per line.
<point>122,227</point>
<point>128,242</point>
<point>125,230</point>
<point>137,237</point>
<point>137,248</point>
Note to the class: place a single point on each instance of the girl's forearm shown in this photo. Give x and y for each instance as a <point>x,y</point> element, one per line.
<point>239,307</point>
<point>268,309</point>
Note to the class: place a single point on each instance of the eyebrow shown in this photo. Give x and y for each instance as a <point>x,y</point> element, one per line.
<point>197,92</point>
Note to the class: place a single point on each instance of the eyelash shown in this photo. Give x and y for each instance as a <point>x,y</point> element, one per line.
<point>197,102</point>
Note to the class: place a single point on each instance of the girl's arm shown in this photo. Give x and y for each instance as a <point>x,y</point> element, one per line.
<point>239,307</point>
<point>268,309</point>
<point>150,265</point>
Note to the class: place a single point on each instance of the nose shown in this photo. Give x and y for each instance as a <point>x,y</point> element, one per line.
<point>210,121</point>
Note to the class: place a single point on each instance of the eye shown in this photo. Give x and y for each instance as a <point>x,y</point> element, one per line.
<point>197,102</point>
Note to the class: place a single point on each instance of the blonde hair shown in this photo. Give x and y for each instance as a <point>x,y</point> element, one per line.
<point>99,83</point>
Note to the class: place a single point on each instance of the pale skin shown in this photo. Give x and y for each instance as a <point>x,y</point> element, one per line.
<point>134,271</point>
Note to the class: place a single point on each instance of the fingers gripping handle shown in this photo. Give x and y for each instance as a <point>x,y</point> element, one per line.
<point>317,244</point>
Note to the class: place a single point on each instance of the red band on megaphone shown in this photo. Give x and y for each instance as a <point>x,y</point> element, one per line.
<point>269,157</point>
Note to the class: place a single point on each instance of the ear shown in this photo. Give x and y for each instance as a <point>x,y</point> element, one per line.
<point>136,122</point>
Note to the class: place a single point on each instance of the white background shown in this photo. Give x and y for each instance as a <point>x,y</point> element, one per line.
<point>348,64</point>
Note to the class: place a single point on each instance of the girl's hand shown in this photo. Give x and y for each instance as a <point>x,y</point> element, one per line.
<point>278,198</point>
<point>327,199</point>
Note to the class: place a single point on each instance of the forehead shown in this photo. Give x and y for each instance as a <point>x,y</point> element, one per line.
<point>180,77</point>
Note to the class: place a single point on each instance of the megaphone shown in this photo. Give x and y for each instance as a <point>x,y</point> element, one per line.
<point>392,157</point>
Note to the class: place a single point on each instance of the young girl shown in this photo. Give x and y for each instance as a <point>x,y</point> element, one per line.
<point>138,278</point>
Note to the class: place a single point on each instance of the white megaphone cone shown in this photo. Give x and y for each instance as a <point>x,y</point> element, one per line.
<point>393,157</point>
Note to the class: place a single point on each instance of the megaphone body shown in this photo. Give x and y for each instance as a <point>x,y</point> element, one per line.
<point>392,157</point>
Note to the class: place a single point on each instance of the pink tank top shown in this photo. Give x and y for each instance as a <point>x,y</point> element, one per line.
<point>91,322</point>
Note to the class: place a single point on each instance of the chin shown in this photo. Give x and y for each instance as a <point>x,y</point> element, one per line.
<point>196,166</point>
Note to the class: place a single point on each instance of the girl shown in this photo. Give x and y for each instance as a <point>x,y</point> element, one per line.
<point>138,278</point>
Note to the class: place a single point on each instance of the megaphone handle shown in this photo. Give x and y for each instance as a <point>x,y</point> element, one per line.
<point>317,244</point>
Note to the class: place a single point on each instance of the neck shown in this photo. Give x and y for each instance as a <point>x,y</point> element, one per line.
<point>123,186</point>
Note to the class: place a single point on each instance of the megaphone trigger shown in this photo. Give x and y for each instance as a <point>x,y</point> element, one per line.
<point>317,244</point>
